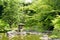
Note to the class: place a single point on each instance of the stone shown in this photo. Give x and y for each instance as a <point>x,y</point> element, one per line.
<point>45,37</point>
<point>11,34</point>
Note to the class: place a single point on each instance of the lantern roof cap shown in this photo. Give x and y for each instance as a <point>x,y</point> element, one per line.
<point>21,24</point>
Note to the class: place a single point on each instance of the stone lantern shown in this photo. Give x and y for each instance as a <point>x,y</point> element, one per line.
<point>20,26</point>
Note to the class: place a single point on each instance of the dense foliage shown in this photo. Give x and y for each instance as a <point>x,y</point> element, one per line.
<point>39,15</point>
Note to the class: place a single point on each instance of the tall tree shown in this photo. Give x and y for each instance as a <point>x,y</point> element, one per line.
<point>11,11</point>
